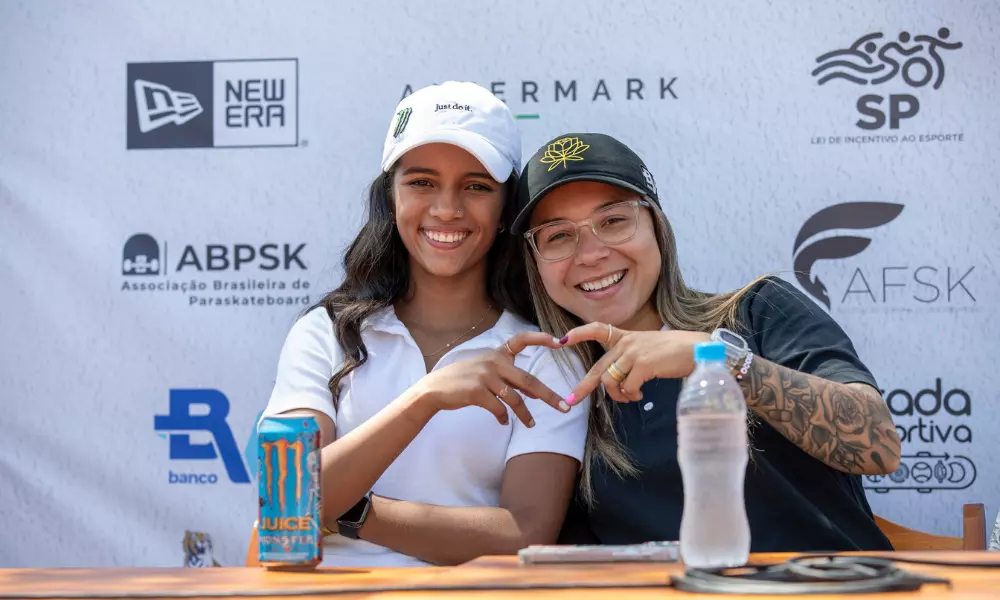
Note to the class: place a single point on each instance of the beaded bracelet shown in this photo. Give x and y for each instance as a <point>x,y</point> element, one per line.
<point>746,366</point>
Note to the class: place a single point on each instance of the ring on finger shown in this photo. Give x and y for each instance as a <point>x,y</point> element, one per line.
<point>503,392</point>
<point>616,373</point>
<point>507,347</point>
<point>610,329</point>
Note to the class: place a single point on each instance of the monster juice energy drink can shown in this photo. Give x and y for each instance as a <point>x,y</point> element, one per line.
<point>289,526</point>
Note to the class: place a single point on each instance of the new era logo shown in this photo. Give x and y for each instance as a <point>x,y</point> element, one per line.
<point>158,105</point>
<point>213,104</point>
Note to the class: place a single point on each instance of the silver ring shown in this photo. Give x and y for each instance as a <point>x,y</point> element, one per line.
<point>503,392</point>
<point>610,330</point>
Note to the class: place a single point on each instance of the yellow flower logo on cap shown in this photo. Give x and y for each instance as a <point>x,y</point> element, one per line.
<point>562,151</point>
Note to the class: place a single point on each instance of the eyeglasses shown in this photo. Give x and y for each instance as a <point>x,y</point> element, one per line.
<point>613,224</point>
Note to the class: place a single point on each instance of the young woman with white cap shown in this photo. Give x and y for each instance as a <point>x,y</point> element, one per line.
<point>445,432</point>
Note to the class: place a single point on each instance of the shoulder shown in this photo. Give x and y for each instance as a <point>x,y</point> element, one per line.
<point>315,323</point>
<point>785,326</point>
<point>317,319</point>
<point>773,307</point>
<point>773,296</point>
<point>312,333</point>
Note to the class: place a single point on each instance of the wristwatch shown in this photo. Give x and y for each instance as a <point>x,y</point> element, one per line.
<point>737,348</point>
<point>349,523</point>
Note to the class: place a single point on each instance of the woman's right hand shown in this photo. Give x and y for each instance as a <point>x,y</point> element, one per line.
<point>493,382</point>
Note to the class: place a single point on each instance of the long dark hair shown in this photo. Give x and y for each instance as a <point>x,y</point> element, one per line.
<point>377,273</point>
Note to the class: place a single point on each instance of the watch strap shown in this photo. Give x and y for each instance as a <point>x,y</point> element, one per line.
<point>735,357</point>
<point>349,524</point>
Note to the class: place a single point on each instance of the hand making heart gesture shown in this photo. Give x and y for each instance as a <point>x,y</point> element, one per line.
<point>492,382</point>
<point>632,358</point>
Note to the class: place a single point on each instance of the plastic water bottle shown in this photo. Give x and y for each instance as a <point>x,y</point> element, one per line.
<point>712,452</point>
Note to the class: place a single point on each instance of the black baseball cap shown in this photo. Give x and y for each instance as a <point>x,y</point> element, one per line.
<point>580,157</point>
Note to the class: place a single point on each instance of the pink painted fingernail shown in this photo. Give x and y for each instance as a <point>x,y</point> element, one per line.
<point>571,399</point>
<point>564,339</point>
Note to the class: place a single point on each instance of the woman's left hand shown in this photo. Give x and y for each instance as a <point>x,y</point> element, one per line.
<point>632,358</point>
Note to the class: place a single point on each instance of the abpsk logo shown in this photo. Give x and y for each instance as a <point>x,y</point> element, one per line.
<point>182,420</point>
<point>217,275</point>
<point>873,59</point>
<point>849,215</point>
<point>141,255</point>
<point>213,104</point>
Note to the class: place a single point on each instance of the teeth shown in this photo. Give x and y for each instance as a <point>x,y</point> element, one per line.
<point>440,236</point>
<point>593,286</point>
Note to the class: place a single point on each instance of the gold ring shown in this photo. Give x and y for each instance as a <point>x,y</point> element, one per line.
<point>503,392</point>
<point>616,373</point>
<point>609,334</point>
<point>509,351</point>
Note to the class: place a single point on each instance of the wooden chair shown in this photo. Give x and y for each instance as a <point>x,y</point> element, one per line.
<point>973,533</point>
<point>252,550</point>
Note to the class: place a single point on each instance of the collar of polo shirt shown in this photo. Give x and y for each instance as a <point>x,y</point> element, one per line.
<point>506,327</point>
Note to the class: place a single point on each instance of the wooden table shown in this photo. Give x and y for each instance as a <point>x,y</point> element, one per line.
<point>967,583</point>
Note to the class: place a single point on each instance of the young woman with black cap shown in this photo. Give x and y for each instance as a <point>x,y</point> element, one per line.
<point>603,273</point>
<point>426,331</point>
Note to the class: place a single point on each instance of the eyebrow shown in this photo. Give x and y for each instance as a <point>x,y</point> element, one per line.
<point>608,203</point>
<point>428,171</point>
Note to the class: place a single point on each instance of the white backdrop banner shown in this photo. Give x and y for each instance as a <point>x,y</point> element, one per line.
<point>178,182</point>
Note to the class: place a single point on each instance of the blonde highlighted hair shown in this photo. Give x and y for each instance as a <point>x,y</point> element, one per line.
<point>679,307</point>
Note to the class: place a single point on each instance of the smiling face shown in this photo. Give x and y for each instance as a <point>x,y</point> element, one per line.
<point>447,209</point>
<point>601,282</point>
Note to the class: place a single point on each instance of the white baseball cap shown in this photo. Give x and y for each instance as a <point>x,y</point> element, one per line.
<point>460,113</point>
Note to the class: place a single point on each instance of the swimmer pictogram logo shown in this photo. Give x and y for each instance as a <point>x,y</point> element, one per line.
<point>899,73</point>
<point>873,60</point>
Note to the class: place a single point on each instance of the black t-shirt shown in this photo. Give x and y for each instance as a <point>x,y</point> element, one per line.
<point>794,502</point>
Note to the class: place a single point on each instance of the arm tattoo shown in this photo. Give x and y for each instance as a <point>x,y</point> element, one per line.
<point>847,426</point>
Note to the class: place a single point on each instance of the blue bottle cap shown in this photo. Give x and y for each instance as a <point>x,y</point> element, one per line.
<point>709,351</point>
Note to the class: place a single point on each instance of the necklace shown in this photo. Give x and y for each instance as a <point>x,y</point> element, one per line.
<point>471,329</point>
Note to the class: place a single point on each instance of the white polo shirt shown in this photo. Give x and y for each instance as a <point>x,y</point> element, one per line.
<point>458,459</point>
